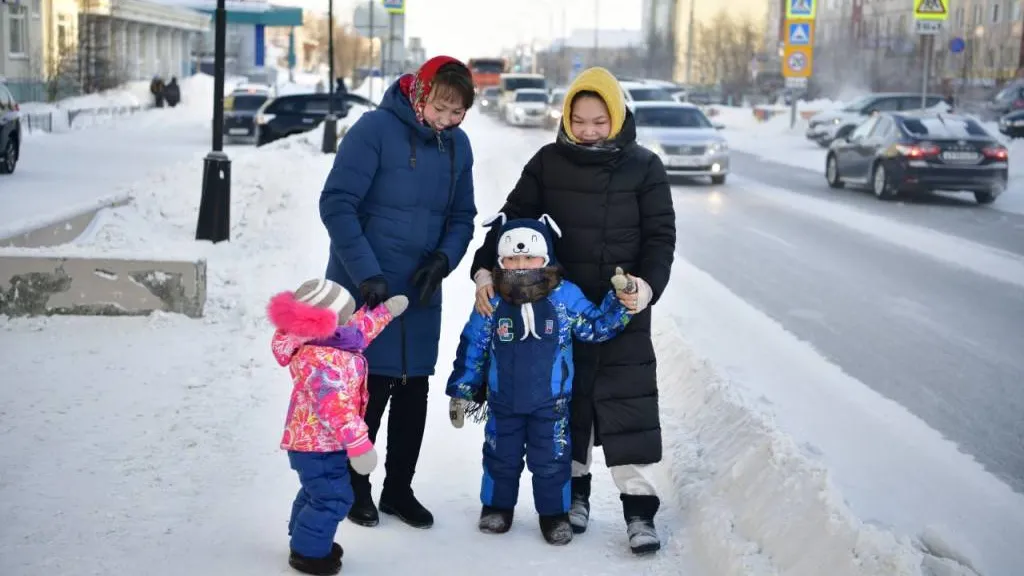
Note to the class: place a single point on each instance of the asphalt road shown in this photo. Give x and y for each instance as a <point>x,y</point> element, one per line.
<point>945,342</point>
<point>955,215</point>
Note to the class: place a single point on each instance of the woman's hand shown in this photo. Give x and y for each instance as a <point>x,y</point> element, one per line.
<point>484,292</point>
<point>634,293</point>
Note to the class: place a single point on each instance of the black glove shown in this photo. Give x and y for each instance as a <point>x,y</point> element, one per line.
<point>429,276</point>
<point>374,291</point>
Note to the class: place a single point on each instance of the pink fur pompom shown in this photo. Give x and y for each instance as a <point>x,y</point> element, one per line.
<point>288,314</point>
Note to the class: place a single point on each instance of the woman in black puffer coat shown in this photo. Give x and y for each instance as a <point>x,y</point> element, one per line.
<point>612,201</point>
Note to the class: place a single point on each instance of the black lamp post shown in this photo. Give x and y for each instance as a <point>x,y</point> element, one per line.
<point>214,222</point>
<point>330,145</point>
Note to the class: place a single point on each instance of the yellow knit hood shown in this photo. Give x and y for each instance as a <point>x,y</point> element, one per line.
<point>607,87</point>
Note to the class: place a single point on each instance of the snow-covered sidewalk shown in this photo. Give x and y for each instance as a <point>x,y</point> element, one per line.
<point>150,444</point>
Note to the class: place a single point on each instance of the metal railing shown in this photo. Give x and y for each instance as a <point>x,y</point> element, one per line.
<point>67,120</point>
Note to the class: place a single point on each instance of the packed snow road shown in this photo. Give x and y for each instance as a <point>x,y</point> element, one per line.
<point>942,340</point>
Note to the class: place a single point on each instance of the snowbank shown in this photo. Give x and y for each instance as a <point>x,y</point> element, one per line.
<point>373,88</point>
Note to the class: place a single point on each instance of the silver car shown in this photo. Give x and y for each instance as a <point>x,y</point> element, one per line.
<point>682,136</point>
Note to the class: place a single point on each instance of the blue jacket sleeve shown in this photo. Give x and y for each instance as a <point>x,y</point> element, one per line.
<point>350,179</point>
<point>593,323</point>
<point>471,357</point>
<point>459,231</point>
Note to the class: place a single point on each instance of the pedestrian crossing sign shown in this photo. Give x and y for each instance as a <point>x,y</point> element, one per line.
<point>799,34</point>
<point>931,10</point>
<point>801,9</point>
<point>394,6</point>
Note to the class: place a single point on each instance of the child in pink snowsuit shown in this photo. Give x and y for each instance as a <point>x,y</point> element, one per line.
<point>321,342</point>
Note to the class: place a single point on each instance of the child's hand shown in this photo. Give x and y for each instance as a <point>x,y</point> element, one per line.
<point>365,463</point>
<point>457,412</point>
<point>396,305</point>
<point>622,283</point>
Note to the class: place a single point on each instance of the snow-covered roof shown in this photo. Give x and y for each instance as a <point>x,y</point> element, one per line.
<point>231,5</point>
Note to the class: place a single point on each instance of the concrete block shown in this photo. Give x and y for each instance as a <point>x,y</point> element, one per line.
<point>41,285</point>
<point>63,229</point>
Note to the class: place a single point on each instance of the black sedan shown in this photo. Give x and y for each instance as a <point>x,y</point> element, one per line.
<point>1012,124</point>
<point>919,152</point>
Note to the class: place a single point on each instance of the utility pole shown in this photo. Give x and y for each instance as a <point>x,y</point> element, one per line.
<point>597,30</point>
<point>689,45</point>
<point>330,142</point>
<point>214,222</point>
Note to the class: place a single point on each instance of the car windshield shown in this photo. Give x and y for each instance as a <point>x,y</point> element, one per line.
<point>518,83</point>
<point>557,98</point>
<point>943,127</point>
<point>650,95</point>
<point>490,92</point>
<point>248,102</point>
<point>531,97</point>
<point>858,104</point>
<point>670,118</point>
<point>488,66</point>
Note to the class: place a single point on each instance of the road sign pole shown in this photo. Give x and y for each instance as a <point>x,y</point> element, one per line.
<point>927,44</point>
<point>372,37</point>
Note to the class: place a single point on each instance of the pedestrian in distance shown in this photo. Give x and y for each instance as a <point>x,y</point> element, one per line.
<point>523,354</point>
<point>321,342</point>
<point>398,206</point>
<point>612,200</point>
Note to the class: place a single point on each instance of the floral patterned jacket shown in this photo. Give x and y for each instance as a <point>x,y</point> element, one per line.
<point>329,395</point>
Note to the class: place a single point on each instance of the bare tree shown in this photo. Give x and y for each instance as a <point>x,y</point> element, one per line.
<point>96,64</point>
<point>724,49</point>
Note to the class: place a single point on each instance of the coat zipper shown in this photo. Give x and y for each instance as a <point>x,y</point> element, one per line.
<point>405,363</point>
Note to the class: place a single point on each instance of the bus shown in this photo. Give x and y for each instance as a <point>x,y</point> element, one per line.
<point>487,71</point>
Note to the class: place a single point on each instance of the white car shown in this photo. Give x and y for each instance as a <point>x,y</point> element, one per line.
<point>682,136</point>
<point>640,92</point>
<point>823,126</point>
<point>527,107</point>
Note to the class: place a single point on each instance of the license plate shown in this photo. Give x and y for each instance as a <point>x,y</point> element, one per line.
<point>960,156</point>
<point>685,161</point>
<point>238,131</point>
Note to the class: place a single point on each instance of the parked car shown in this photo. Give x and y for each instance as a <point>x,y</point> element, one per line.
<point>910,152</point>
<point>240,108</point>
<point>823,126</point>
<point>489,100</point>
<point>10,130</point>
<point>298,113</point>
<point>1009,99</point>
<point>527,107</point>
<point>1012,124</point>
<point>555,101</point>
<point>641,92</point>
<point>682,136</point>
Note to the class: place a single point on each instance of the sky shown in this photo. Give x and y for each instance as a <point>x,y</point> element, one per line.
<point>469,28</point>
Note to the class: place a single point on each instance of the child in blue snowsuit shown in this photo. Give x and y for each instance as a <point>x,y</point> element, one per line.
<point>523,352</point>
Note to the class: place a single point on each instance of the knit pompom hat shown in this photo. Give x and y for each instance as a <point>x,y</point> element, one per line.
<point>314,309</point>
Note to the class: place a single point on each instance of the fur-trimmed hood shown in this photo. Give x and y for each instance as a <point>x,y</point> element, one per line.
<point>299,323</point>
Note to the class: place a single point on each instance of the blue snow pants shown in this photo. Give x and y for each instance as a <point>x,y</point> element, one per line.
<point>322,503</point>
<point>543,438</point>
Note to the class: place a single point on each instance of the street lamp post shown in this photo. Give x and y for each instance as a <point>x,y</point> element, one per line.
<point>214,221</point>
<point>330,144</point>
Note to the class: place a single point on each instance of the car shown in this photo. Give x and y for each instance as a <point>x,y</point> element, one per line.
<point>489,100</point>
<point>640,92</point>
<point>894,153</point>
<point>527,107</point>
<point>823,126</point>
<point>10,130</point>
<point>1012,124</point>
<point>1009,99</point>
<point>682,136</point>
<point>555,101</point>
<point>240,108</point>
<point>509,83</point>
<point>297,113</point>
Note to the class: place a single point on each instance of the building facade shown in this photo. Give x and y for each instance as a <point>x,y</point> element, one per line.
<point>658,28</point>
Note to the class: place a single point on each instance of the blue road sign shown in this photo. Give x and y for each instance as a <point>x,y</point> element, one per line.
<point>394,6</point>
<point>796,9</point>
<point>577,62</point>
<point>800,34</point>
<point>957,45</point>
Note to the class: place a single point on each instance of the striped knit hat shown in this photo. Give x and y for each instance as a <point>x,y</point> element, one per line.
<point>321,293</point>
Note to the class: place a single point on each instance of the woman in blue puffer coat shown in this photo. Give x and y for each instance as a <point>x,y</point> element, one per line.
<point>398,206</point>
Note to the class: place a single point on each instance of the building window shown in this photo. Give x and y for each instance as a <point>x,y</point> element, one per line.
<point>1016,10</point>
<point>62,33</point>
<point>977,15</point>
<point>37,8</point>
<point>18,33</point>
<point>995,13</point>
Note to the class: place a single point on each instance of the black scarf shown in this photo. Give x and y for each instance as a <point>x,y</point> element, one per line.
<point>524,286</point>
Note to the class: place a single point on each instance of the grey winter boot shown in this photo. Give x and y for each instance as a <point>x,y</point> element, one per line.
<point>639,513</point>
<point>579,510</point>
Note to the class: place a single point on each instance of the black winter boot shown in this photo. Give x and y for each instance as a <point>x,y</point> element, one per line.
<point>495,520</point>
<point>579,511</point>
<point>639,513</point>
<point>404,506</point>
<point>327,566</point>
<point>556,529</point>
<point>363,511</point>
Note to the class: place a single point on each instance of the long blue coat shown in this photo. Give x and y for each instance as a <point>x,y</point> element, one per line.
<point>389,202</point>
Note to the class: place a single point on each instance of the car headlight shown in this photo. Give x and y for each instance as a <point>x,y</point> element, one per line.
<point>836,120</point>
<point>520,111</point>
<point>556,114</point>
<point>716,147</point>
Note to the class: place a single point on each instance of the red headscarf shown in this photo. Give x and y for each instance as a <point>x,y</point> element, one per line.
<point>416,87</point>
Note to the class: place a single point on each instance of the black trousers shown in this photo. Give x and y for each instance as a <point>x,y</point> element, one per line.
<point>406,423</point>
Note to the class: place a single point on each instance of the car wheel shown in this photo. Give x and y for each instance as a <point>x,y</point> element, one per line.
<point>718,179</point>
<point>9,157</point>
<point>880,183</point>
<point>832,172</point>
